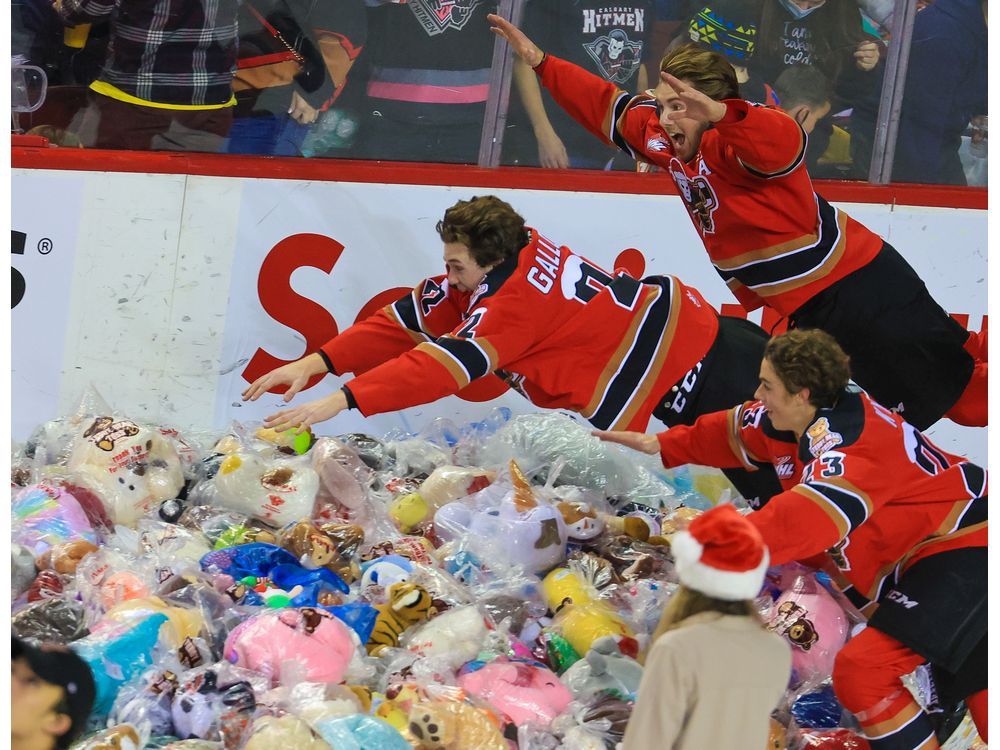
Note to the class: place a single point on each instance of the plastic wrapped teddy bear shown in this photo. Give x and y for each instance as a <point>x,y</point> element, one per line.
<point>132,467</point>
<point>275,491</point>
<point>453,725</point>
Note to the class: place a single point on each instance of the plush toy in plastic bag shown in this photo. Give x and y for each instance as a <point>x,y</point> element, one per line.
<point>360,732</point>
<point>119,737</point>
<point>344,477</point>
<point>276,491</point>
<point>534,538</point>
<point>132,467</point>
<point>457,635</point>
<point>22,569</point>
<point>47,514</point>
<point>117,651</point>
<point>307,644</point>
<point>831,739</point>
<point>520,690</point>
<point>288,731</point>
<point>210,707</point>
<point>59,619</point>
<point>813,623</point>
<point>408,605</point>
<point>453,725</point>
<point>604,669</point>
<point>148,702</point>
<point>331,546</point>
<point>445,484</point>
<point>818,709</point>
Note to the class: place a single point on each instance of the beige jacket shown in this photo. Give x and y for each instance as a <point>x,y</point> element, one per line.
<point>711,684</point>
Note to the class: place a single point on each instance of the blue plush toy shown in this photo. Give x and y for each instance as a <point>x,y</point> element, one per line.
<point>361,732</point>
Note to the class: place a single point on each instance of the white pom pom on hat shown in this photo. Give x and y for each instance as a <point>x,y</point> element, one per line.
<point>721,554</point>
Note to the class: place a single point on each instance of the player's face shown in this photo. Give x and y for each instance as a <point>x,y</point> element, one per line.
<point>684,132</point>
<point>788,411</point>
<point>464,274</point>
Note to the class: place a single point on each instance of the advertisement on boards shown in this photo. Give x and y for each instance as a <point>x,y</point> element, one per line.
<point>45,219</point>
<point>313,258</point>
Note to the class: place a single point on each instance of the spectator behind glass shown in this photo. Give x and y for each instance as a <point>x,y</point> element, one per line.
<point>729,27</point>
<point>828,34</point>
<point>51,694</point>
<point>294,57</point>
<point>610,42</point>
<point>167,81</point>
<point>714,673</point>
<point>945,89</point>
<point>430,64</point>
<point>804,93</point>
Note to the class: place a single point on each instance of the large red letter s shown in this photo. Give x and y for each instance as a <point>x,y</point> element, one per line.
<point>283,304</point>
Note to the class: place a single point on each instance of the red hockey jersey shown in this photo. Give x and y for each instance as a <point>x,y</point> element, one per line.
<point>862,484</point>
<point>558,328</point>
<point>773,240</point>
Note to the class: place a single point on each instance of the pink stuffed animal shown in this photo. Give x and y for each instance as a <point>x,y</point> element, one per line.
<point>305,644</point>
<point>814,625</point>
<point>523,691</point>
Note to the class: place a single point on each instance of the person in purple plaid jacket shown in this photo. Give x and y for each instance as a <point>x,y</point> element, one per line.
<point>166,83</point>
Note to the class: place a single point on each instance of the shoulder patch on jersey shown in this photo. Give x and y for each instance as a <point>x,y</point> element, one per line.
<point>840,426</point>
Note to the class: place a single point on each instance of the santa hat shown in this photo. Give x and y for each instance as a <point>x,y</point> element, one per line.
<point>721,554</point>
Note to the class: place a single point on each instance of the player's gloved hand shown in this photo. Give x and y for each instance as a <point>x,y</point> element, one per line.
<point>295,375</point>
<point>523,47</point>
<point>637,441</point>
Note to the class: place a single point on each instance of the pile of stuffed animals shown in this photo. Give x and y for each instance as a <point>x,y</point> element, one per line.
<point>263,590</point>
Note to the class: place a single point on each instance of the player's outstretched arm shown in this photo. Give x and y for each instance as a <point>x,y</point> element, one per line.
<point>308,414</point>
<point>295,375</point>
<point>523,47</point>
<point>637,441</point>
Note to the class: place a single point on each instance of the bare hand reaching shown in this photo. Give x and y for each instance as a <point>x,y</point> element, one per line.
<point>523,47</point>
<point>295,375</point>
<point>697,106</point>
<point>308,414</point>
<point>637,441</point>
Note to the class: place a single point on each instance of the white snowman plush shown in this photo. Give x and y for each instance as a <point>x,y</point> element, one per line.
<point>276,491</point>
<point>133,468</point>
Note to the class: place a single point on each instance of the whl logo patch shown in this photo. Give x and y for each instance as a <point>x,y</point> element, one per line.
<point>437,16</point>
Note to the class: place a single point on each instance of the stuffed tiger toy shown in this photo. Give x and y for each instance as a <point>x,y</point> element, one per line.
<point>408,604</point>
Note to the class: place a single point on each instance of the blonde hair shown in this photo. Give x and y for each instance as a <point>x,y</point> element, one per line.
<point>708,71</point>
<point>687,602</point>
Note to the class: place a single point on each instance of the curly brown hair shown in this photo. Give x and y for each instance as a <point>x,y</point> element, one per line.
<point>707,71</point>
<point>810,359</point>
<point>488,226</point>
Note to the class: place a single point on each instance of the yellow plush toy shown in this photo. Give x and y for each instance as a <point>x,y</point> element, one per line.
<point>453,725</point>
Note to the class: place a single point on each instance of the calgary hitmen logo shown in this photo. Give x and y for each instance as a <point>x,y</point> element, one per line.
<point>437,16</point>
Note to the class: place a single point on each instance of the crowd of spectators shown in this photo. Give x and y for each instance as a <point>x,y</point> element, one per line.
<point>409,79</point>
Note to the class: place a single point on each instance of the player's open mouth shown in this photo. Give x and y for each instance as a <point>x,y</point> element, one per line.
<point>677,139</point>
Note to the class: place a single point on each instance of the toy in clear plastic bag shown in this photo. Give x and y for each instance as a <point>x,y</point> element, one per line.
<point>276,491</point>
<point>108,577</point>
<point>453,725</point>
<point>539,440</point>
<point>506,536</point>
<point>603,670</point>
<point>132,467</point>
<point>812,622</point>
<point>415,457</point>
<point>211,705</point>
<point>330,546</point>
<point>148,702</point>
<point>456,635</point>
<point>522,691</point>
<point>182,623</point>
<point>408,605</point>
<point>818,709</point>
<point>370,450</point>
<point>58,619</point>
<point>47,514</point>
<point>360,732</point>
<point>344,477</point>
<point>119,737</point>
<point>22,569</point>
<point>117,651</point>
<point>444,485</point>
<point>305,644</point>
<point>288,731</point>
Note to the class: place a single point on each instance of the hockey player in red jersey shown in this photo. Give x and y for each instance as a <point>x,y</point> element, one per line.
<point>740,170</point>
<point>903,521</point>
<point>559,329</point>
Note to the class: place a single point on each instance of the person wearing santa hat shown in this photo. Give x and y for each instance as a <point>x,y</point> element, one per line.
<point>714,673</point>
<point>904,522</point>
